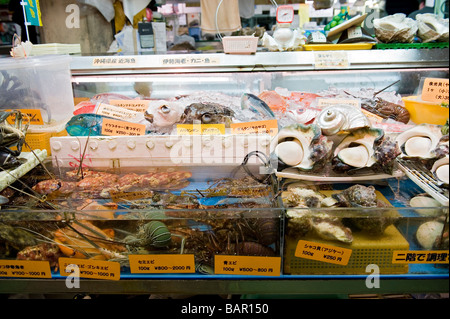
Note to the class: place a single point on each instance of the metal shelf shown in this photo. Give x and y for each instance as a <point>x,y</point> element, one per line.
<point>261,61</point>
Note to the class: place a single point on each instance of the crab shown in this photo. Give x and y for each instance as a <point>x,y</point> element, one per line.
<point>11,136</point>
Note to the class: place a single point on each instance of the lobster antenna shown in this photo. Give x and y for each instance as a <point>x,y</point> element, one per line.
<point>387,87</point>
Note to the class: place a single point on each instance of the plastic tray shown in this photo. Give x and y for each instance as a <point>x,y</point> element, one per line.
<point>240,44</point>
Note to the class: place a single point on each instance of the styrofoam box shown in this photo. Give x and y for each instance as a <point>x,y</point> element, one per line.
<point>42,82</point>
<point>160,150</point>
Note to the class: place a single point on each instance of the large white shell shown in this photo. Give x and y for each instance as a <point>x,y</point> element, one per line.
<point>440,169</point>
<point>428,205</point>
<point>420,141</point>
<point>428,232</point>
<point>395,28</point>
<point>432,28</point>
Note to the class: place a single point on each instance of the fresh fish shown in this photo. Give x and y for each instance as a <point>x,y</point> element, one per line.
<point>208,113</point>
<point>163,113</point>
<point>256,105</point>
<point>106,97</point>
<point>84,108</point>
<point>85,125</point>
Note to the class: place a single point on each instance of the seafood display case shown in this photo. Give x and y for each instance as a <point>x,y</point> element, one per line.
<point>215,192</point>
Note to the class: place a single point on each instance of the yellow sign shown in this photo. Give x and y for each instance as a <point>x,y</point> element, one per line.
<point>25,269</point>
<point>166,264</point>
<point>321,252</point>
<point>435,90</point>
<point>31,116</point>
<point>120,128</point>
<point>257,127</point>
<point>420,257</point>
<point>201,129</point>
<point>92,269</point>
<point>247,265</point>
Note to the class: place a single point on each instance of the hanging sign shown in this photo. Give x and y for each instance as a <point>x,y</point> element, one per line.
<point>33,12</point>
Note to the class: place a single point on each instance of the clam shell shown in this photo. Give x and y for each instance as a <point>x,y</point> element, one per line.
<point>426,203</point>
<point>355,156</point>
<point>290,152</point>
<point>428,232</point>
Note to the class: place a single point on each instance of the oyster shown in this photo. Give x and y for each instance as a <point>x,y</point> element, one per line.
<point>343,117</point>
<point>421,141</point>
<point>303,147</point>
<point>365,148</point>
<point>432,28</point>
<point>395,28</point>
<point>357,196</point>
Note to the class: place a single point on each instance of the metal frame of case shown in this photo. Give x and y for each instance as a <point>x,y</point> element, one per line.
<point>382,67</point>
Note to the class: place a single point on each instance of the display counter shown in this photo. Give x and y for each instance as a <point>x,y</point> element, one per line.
<point>211,212</point>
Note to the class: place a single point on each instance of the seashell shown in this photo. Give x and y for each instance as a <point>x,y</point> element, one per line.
<point>428,233</point>
<point>303,147</point>
<point>421,201</point>
<point>337,118</point>
<point>421,141</point>
<point>395,28</point>
<point>440,169</point>
<point>432,28</point>
<point>357,150</point>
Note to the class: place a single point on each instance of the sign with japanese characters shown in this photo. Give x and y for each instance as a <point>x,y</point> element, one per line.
<point>331,60</point>
<point>114,61</point>
<point>30,116</point>
<point>162,264</point>
<point>200,129</point>
<point>435,90</point>
<point>257,127</point>
<point>420,257</point>
<point>190,60</point>
<point>25,269</point>
<point>112,127</point>
<point>133,105</point>
<point>91,269</point>
<point>247,265</point>
<point>321,252</point>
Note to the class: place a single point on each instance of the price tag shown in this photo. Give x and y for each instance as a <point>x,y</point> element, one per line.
<point>31,116</point>
<point>420,257</point>
<point>321,252</point>
<point>161,264</point>
<point>112,127</point>
<point>25,269</point>
<point>435,90</point>
<point>201,129</point>
<point>118,112</point>
<point>92,269</point>
<point>247,265</point>
<point>257,127</point>
<point>134,105</point>
<point>331,60</point>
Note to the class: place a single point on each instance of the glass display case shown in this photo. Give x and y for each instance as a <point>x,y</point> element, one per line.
<point>227,219</point>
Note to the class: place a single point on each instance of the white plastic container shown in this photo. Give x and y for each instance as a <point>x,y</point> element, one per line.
<point>42,82</point>
<point>240,44</point>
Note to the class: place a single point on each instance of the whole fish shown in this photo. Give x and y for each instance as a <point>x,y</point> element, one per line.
<point>163,113</point>
<point>208,113</point>
<point>85,125</point>
<point>256,105</point>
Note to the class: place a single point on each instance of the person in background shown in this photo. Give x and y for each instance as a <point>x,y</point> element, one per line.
<point>402,6</point>
<point>424,7</point>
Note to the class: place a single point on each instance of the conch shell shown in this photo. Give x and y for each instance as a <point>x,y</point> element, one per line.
<point>342,117</point>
